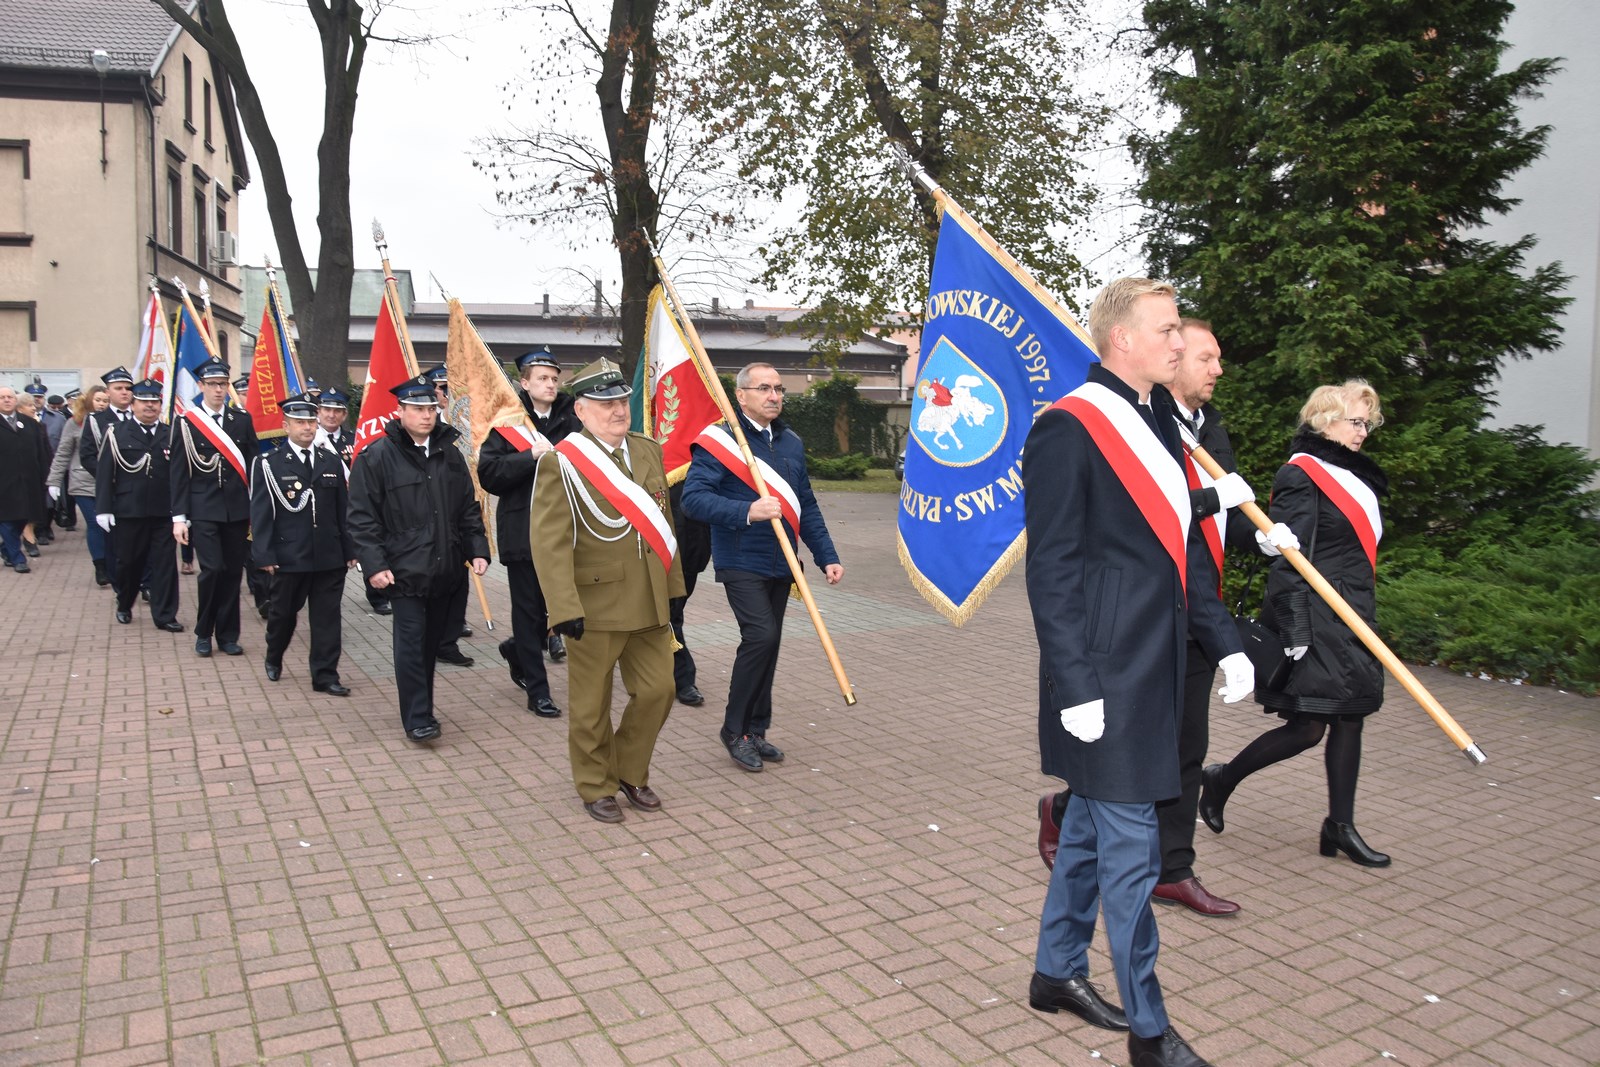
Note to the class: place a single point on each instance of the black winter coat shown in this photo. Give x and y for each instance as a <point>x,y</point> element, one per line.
<point>415,515</point>
<point>508,474</point>
<point>1337,676</point>
<point>24,464</point>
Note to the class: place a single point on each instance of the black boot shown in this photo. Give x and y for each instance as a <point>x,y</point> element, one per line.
<point>1340,837</point>
<point>1214,792</point>
<point>100,575</point>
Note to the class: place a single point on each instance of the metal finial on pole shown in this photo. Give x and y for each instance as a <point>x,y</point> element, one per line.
<point>377,238</point>
<point>911,169</point>
<point>183,290</point>
<point>437,284</point>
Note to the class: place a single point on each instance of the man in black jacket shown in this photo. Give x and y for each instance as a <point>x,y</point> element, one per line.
<point>133,501</point>
<point>119,408</point>
<point>506,464</point>
<point>213,448</point>
<point>415,523</point>
<point>298,515</point>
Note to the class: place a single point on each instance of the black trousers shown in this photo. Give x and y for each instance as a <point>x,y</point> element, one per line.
<point>1175,817</point>
<point>141,544</point>
<point>222,548</point>
<point>458,621</point>
<point>758,603</point>
<point>530,624</point>
<point>420,623</point>
<point>291,590</point>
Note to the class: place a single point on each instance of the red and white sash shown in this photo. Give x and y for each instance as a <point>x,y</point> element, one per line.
<point>1353,497</point>
<point>1212,526</point>
<point>1141,463</point>
<point>523,438</point>
<point>720,443</point>
<point>622,493</point>
<point>202,420</point>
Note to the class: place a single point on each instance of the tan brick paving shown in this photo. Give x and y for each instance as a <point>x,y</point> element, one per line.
<point>200,867</point>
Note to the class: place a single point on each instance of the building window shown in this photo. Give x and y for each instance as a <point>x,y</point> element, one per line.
<point>175,211</point>
<point>201,252</point>
<point>15,172</point>
<point>188,94</point>
<point>206,101</point>
<point>222,228</point>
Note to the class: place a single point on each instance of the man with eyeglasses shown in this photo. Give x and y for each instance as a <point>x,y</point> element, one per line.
<point>749,562</point>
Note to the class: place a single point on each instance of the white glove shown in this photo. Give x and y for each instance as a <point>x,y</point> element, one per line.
<point>1297,652</point>
<point>1275,540</point>
<point>55,494</point>
<point>1232,491</point>
<point>106,520</point>
<point>1238,677</point>
<point>1086,722</point>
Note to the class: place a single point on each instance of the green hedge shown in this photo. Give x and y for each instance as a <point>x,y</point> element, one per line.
<point>833,403</point>
<point>846,468</point>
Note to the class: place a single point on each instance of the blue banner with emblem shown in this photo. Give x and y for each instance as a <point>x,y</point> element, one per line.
<point>996,350</point>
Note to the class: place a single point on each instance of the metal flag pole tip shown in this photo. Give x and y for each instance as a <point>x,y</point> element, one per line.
<point>1475,755</point>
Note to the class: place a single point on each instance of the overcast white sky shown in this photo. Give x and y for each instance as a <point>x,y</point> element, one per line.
<point>419,113</point>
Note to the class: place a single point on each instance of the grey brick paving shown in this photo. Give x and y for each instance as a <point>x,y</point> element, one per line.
<point>200,867</point>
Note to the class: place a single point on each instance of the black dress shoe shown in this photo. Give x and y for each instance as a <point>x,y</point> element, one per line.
<point>558,648</point>
<point>1050,995</point>
<point>202,646</point>
<point>230,648</point>
<point>466,631</point>
<point>1165,1050</point>
<point>606,809</point>
<point>1214,793</point>
<point>274,671</point>
<point>100,576</point>
<point>31,549</point>
<point>171,627</point>
<point>768,752</point>
<point>124,617</point>
<point>743,751</point>
<point>333,689</point>
<point>1340,837</point>
<point>642,797</point>
<point>424,733</point>
<point>144,594</point>
<point>458,659</point>
<point>383,607</point>
<point>691,696</point>
<point>21,566</point>
<point>545,708</point>
<point>508,652</point>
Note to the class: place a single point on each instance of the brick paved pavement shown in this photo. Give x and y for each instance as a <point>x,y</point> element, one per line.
<point>197,866</point>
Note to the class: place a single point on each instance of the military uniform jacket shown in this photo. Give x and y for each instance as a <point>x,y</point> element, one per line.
<point>95,428</point>
<point>299,516</point>
<point>415,515</point>
<point>131,481</point>
<point>508,474</point>
<point>204,484</point>
<point>342,443</point>
<point>618,585</point>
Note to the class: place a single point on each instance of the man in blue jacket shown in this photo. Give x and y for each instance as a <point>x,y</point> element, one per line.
<point>749,562</point>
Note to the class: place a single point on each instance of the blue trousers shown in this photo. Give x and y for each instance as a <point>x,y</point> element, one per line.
<point>1110,858</point>
<point>92,534</point>
<point>11,541</point>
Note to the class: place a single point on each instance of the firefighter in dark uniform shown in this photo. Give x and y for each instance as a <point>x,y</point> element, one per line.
<point>298,514</point>
<point>211,507</point>
<point>332,407</point>
<point>449,649</point>
<point>506,463</point>
<point>119,397</point>
<point>133,505</point>
<point>415,523</point>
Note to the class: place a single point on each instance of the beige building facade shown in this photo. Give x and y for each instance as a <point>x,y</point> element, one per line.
<point>120,161</point>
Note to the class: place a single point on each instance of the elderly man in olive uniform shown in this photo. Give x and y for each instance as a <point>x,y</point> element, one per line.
<point>602,532</point>
<point>415,523</point>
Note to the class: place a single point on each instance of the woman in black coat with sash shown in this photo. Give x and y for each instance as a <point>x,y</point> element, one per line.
<point>1328,495</point>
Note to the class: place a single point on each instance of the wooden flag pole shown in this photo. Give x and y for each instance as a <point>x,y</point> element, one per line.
<point>392,291</point>
<point>210,332</point>
<point>698,351</point>
<point>1357,624</point>
<point>282,323</point>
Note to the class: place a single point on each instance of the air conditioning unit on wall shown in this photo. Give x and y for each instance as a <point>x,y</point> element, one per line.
<point>225,252</point>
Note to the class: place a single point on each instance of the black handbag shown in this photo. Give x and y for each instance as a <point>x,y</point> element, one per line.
<point>1261,643</point>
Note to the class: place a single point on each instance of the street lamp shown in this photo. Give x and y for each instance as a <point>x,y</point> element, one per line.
<point>101,60</point>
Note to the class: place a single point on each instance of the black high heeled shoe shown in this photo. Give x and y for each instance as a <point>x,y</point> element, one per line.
<point>1340,837</point>
<point>1214,793</point>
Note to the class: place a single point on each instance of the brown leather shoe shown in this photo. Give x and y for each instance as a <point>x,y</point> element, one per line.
<point>606,809</point>
<point>1194,896</point>
<point>642,797</point>
<point>1049,832</point>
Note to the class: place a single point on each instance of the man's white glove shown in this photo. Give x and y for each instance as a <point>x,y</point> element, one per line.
<point>1297,652</point>
<point>55,494</point>
<point>1086,722</point>
<point>1238,677</point>
<point>1275,540</point>
<point>106,520</point>
<point>1232,491</point>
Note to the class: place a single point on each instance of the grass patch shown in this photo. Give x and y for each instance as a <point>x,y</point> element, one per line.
<point>874,481</point>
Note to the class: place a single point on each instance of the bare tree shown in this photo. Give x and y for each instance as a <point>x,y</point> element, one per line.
<point>322,310</point>
<point>651,169</point>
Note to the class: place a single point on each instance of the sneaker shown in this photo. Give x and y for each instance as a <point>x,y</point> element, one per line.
<point>743,751</point>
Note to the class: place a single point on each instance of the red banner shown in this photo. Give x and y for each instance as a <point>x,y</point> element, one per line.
<point>386,368</point>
